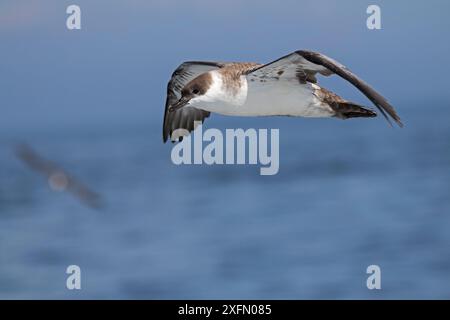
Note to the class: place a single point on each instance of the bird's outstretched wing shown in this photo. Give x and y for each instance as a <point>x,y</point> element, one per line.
<point>304,65</point>
<point>184,118</point>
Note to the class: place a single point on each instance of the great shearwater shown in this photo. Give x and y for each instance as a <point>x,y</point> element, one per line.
<point>58,178</point>
<point>284,87</point>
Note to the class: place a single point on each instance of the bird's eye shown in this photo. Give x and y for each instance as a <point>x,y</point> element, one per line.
<point>195,91</point>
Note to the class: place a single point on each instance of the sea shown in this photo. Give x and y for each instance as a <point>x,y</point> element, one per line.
<point>348,195</point>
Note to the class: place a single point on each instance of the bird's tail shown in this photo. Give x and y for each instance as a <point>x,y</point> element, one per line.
<point>346,110</point>
<point>343,109</point>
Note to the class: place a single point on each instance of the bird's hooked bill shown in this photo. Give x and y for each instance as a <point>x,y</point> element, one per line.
<point>179,104</point>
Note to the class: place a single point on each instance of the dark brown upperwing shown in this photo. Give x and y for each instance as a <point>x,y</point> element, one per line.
<point>380,102</point>
<point>185,117</point>
<point>304,65</point>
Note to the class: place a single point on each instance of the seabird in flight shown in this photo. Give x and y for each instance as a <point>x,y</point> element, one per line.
<point>284,87</point>
<point>58,178</point>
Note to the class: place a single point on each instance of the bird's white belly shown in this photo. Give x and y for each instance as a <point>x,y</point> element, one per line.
<point>273,98</point>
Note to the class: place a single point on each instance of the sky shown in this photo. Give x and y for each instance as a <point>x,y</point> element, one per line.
<point>115,69</point>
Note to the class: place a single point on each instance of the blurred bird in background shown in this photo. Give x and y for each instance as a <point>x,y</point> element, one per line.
<point>58,178</point>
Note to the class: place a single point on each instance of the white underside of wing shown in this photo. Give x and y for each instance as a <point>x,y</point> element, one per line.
<point>275,98</point>
<point>289,98</point>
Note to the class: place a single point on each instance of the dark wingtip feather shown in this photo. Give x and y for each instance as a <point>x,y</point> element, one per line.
<point>385,108</point>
